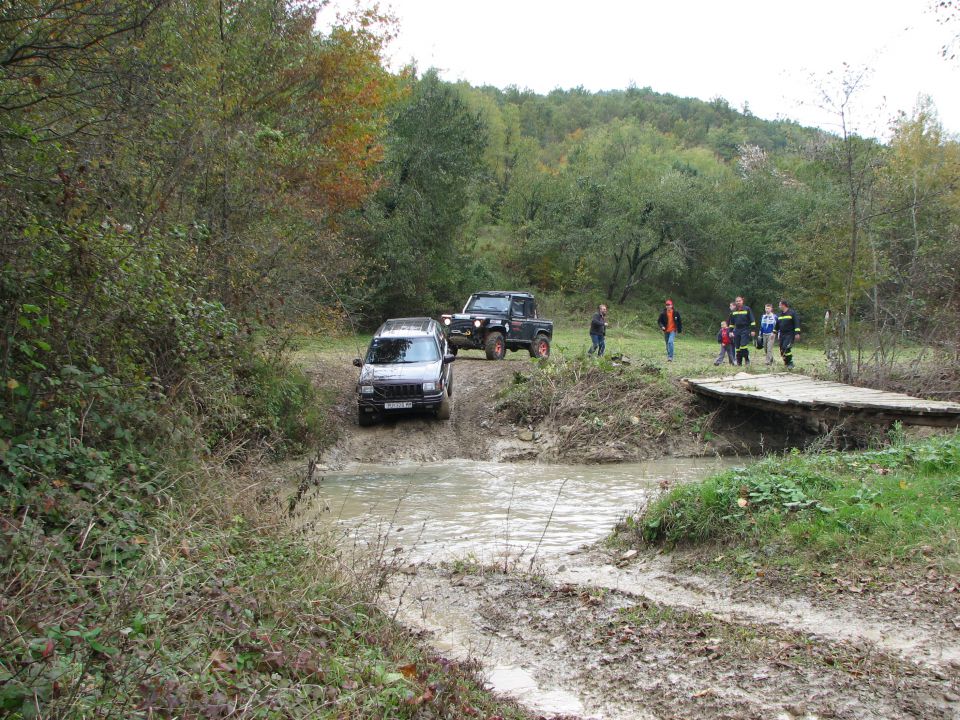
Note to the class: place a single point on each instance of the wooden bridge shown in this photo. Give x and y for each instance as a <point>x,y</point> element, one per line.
<point>796,394</point>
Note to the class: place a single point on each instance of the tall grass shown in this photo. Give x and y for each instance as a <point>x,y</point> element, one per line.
<point>893,504</point>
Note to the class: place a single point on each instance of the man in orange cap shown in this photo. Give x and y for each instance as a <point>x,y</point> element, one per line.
<point>671,325</point>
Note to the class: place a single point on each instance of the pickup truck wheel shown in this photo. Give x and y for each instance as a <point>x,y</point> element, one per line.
<point>495,347</point>
<point>443,412</point>
<point>540,347</point>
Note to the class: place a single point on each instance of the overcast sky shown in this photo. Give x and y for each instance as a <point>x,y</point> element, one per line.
<point>757,52</point>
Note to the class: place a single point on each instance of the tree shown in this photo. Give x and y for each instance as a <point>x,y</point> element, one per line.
<point>435,152</point>
<point>920,184</point>
<point>855,161</point>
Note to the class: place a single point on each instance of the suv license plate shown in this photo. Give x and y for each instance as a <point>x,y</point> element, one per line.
<point>397,405</point>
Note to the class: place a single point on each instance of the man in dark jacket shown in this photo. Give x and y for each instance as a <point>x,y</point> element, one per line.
<point>788,331</point>
<point>670,325</point>
<point>598,331</point>
<point>744,329</point>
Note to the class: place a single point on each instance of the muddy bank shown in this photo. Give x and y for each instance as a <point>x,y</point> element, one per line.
<point>613,639</point>
<point>613,420</point>
<point>475,431</point>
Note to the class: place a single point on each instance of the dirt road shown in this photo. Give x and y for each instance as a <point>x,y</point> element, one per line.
<point>474,431</point>
<point>595,635</point>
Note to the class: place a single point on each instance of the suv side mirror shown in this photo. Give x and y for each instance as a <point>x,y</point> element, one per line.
<point>449,359</point>
<point>357,362</point>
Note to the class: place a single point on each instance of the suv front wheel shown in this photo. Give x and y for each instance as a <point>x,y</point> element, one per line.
<point>495,347</point>
<point>443,412</point>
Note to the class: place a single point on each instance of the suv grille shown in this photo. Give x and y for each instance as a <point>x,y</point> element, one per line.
<point>391,392</point>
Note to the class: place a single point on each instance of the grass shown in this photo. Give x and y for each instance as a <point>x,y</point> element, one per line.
<point>628,336</point>
<point>693,355</point>
<point>595,402</point>
<point>215,611</point>
<point>895,505</point>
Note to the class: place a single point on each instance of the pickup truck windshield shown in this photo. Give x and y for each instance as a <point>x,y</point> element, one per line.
<point>385,351</point>
<point>486,303</point>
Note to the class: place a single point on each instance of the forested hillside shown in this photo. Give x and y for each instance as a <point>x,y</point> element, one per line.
<point>631,194</point>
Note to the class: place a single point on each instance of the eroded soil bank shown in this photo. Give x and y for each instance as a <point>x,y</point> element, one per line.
<point>477,430</point>
<point>594,633</point>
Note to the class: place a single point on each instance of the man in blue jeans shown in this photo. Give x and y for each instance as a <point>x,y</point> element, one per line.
<point>768,325</point>
<point>670,325</point>
<point>598,331</point>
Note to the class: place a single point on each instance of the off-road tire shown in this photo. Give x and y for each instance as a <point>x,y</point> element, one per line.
<point>495,346</point>
<point>365,419</point>
<point>540,347</point>
<point>443,412</point>
<point>453,350</point>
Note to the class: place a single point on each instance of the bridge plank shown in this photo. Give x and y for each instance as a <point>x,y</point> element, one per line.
<point>793,391</point>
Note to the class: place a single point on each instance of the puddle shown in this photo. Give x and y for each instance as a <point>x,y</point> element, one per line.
<point>485,511</point>
<point>516,682</point>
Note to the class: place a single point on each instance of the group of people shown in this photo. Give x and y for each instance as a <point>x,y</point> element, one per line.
<point>737,333</point>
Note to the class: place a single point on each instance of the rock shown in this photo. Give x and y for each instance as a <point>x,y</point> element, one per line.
<point>634,420</point>
<point>629,555</point>
<point>526,435</point>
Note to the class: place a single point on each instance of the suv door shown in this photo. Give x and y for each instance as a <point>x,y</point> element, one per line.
<point>520,326</point>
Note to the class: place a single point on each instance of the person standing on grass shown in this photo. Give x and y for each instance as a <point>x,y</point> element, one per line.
<point>725,338</point>
<point>744,329</point>
<point>598,331</point>
<point>768,324</point>
<point>788,331</point>
<point>671,325</point>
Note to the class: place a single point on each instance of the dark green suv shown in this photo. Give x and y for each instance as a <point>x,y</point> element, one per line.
<point>496,321</point>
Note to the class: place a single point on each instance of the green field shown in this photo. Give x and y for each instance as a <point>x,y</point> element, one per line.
<point>639,342</point>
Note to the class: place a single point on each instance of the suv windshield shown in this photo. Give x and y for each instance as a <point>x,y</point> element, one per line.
<point>384,351</point>
<point>487,303</point>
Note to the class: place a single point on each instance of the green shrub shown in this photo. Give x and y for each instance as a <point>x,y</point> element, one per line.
<point>881,504</point>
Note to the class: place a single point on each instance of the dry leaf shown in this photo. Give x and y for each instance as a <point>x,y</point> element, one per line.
<point>219,660</point>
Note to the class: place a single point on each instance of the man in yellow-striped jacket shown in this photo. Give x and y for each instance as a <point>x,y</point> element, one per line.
<point>788,331</point>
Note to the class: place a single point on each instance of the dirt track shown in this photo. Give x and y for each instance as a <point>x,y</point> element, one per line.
<point>598,636</point>
<point>643,641</point>
<point>474,431</point>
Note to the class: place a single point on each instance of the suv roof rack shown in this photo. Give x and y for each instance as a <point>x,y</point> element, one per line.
<point>406,326</point>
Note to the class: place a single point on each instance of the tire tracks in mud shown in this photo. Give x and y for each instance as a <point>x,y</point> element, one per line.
<point>594,640</point>
<point>929,647</point>
<point>474,432</point>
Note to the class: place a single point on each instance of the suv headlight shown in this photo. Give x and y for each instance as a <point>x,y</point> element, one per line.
<point>366,389</point>
<point>477,323</point>
<point>430,387</point>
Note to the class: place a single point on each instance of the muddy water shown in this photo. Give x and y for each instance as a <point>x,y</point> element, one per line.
<point>486,511</point>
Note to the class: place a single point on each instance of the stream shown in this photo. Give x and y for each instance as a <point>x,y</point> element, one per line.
<point>557,640</point>
<point>486,511</point>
